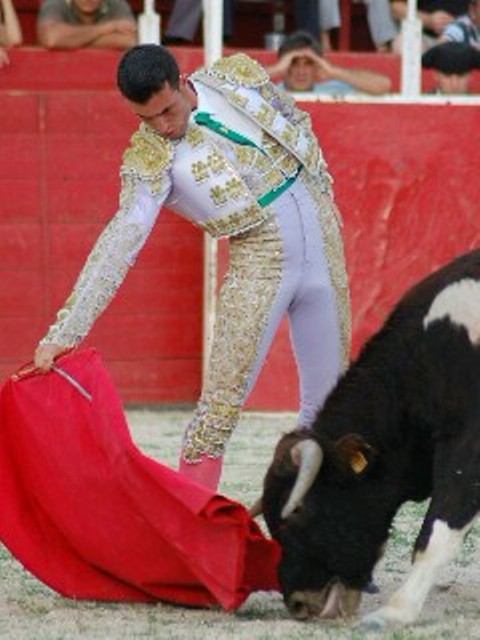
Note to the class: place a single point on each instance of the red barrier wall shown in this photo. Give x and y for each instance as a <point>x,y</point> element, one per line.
<point>405,179</point>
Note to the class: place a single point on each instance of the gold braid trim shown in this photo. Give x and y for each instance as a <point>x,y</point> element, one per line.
<point>238,69</point>
<point>148,157</point>
<point>246,300</point>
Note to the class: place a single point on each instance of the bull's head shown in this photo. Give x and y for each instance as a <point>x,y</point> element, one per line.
<point>312,503</point>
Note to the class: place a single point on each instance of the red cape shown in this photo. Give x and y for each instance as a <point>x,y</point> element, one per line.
<point>89,514</point>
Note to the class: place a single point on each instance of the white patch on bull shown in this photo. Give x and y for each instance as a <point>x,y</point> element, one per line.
<point>406,603</point>
<point>460,303</point>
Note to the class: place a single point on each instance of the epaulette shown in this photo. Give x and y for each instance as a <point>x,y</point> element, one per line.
<point>239,69</point>
<point>148,156</point>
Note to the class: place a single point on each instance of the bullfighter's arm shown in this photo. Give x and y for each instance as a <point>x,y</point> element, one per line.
<point>108,263</point>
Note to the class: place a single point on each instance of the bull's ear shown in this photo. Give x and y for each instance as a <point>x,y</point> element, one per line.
<point>355,452</point>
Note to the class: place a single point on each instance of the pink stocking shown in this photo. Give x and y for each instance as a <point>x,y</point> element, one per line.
<point>206,472</point>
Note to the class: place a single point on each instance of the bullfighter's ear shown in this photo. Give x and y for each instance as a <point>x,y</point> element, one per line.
<point>355,452</point>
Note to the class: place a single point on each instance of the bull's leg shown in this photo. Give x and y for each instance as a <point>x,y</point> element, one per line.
<point>455,504</point>
<point>405,604</point>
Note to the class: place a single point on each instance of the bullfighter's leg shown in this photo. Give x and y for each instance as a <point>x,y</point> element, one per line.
<point>315,327</point>
<point>265,271</point>
<point>255,295</point>
<point>405,605</point>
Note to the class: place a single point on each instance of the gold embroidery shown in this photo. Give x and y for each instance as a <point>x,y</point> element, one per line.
<point>194,136</point>
<point>261,170</point>
<point>246,156</point>
<point>250,287</point>
<point>217,162</point>
<point>270,93</point>
<point>200,171</point>
<point>234,189</point>
<point>290,135</point>
<point>266,115</point>
<point>214,163</point>
<point>237,222</point>
<point>314,159</point>
<point>236,99</point>
<point>281,157</point>
<point>240,69</point>
<point>148,157</point>
<point>293,127</point>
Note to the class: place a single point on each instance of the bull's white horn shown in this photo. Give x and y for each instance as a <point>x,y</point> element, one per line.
<point>256,509</point>
<point>311,457</point>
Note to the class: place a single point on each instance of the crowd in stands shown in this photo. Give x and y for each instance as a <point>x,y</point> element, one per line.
<point>301,63</point>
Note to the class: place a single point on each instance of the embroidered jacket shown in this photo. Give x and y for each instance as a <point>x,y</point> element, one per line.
<point>197,179</point>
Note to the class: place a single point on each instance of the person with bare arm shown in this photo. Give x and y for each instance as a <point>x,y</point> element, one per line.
<point>10,30</point>
<point>75,24</point>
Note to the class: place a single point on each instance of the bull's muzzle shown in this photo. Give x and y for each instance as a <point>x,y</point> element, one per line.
<point>335,601</point>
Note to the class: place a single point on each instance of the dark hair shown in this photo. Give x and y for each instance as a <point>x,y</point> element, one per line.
<point>452,58</point>
<point>300,40</point>
<point>144,70</point>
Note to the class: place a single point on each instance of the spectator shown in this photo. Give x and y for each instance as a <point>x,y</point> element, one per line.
<point>10,31</point>
<point>302,67</point>
<point>382,26</point>
<point>73,24</point>
<point>466,28</point>
<point>187,14</point>
<point>306,14</point>
<point>329,14</point>
<point>185,20</point>
<point>435,15</point>
<point>453,63</point>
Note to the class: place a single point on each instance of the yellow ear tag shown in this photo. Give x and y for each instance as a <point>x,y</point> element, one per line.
<point>358,462</point>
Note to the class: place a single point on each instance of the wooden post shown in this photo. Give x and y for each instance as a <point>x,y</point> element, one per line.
<point>213,45</point>
<point>411,73</point>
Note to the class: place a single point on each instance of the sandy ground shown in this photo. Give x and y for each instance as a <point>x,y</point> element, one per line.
<point>29,610</point>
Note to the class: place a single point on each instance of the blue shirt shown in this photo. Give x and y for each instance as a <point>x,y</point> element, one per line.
<point>329,88</point>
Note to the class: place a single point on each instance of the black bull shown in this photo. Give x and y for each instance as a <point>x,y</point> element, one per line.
<point>402,424</point>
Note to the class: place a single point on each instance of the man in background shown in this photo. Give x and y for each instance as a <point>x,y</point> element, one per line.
<point>465,28</point>
<point>10,31</point>
<point>453,63</point>
<point>75,24</point>
<point>435,16</point>
<point>302,67</point>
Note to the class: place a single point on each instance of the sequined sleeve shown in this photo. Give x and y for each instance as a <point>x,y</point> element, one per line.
<point>285,103</point>
<point>108,263</point>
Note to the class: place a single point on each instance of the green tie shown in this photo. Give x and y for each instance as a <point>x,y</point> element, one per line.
<point>204,119</point>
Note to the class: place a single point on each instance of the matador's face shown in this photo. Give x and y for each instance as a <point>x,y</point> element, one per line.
<point>168,110</point>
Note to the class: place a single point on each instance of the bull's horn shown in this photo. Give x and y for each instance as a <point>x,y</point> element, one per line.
<point>256,509</point>
<point>310,455</point>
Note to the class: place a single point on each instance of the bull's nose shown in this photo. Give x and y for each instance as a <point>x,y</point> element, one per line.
<point>303,605</point>
<point>298,607</point>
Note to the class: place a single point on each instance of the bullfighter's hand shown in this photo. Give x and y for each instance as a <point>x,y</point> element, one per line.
<point>45,355</point>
